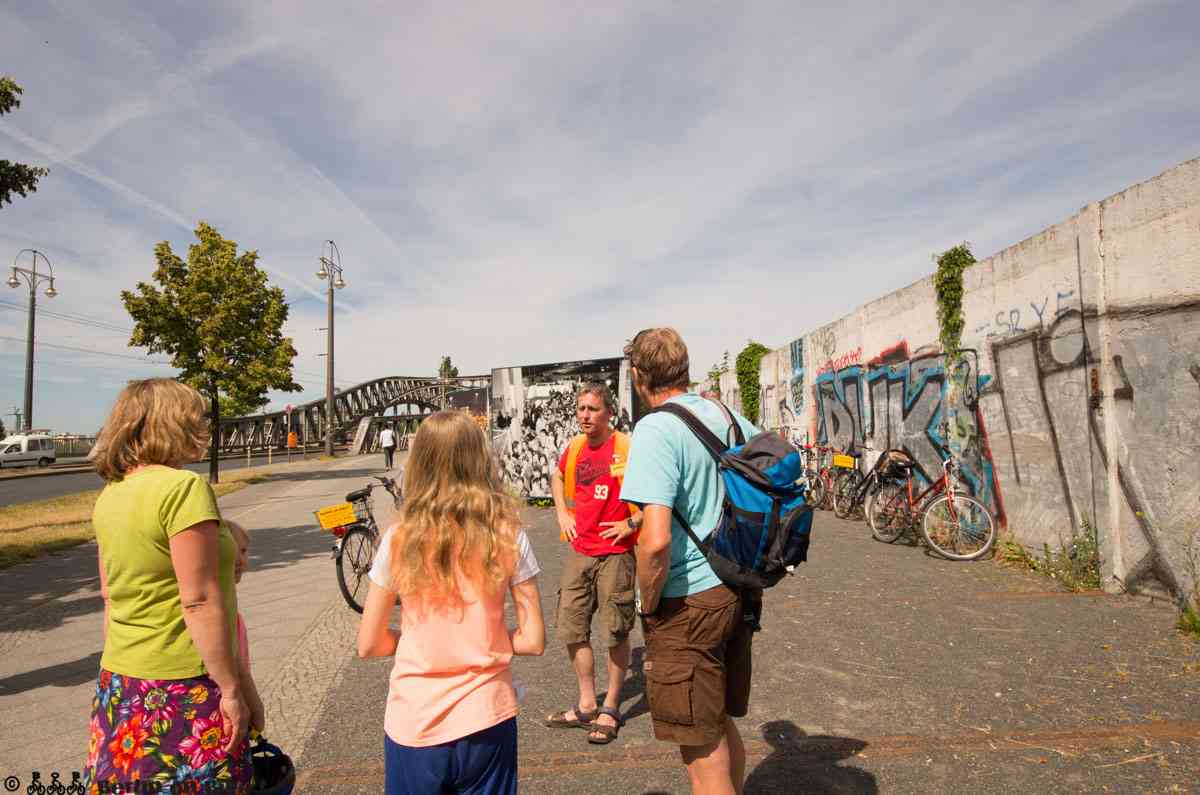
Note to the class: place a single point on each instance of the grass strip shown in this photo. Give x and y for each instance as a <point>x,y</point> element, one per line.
<point>29,530</point>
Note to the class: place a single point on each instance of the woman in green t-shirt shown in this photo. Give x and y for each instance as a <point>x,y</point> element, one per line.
<point>171,705</point>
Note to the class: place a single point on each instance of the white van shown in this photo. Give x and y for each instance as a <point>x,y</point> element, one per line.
<point>26,449</point>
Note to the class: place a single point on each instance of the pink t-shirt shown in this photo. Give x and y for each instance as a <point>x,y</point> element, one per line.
<point>451,676</point>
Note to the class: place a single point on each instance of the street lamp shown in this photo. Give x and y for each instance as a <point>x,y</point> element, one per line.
<point>331,272</point>
<point>33,279</point>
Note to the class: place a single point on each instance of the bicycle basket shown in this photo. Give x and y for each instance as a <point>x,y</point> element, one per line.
<point>362,509</point>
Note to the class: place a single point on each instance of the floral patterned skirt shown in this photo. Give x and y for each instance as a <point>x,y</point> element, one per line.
<point>161,731</point>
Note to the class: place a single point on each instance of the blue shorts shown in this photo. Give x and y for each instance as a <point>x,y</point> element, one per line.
<point>484,762</point>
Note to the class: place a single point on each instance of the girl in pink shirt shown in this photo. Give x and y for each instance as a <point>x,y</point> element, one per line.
<point>450,723</point>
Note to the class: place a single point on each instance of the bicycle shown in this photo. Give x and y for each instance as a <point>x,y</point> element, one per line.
<point>955,525</point>
<point>356,537</point>
<point>812,480</point>
<point>854,491</point>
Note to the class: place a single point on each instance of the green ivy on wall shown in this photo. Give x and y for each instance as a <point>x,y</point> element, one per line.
<point>747,375</point>
<point>948,284</point>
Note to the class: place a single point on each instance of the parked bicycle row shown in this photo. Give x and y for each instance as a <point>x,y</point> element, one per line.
<point>888,497</point>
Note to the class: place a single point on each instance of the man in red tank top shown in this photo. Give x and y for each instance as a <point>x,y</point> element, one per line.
<point>599,572</point>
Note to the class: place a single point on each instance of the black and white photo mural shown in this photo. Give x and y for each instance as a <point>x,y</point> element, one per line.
<point>533,415</point>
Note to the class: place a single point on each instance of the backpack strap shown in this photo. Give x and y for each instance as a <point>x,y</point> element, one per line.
<point>715,447</point>
<point>621,442</point>
<point>739,438</point>
<point>573,450</point>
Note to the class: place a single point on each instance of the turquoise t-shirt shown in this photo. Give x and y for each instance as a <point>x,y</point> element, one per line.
<point>669,466</point>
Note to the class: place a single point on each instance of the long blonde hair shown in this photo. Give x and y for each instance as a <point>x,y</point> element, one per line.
<point>154,421</point>
<point>457,519</point>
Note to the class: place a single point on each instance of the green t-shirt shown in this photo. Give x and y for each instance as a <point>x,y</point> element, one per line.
<point>134,520</point>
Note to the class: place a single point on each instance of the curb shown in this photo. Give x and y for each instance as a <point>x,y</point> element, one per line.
<point>76,469</point>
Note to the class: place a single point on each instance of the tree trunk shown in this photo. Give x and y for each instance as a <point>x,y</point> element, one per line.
<point>214,469</point>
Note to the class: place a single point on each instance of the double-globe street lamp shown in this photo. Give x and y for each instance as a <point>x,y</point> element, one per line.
<point>331,272</point>
<point>33,279</point>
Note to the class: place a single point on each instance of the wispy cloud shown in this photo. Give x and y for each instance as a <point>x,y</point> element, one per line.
<point>536,181</point>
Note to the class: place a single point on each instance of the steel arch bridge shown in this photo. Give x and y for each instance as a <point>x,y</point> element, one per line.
<point>420,395</point>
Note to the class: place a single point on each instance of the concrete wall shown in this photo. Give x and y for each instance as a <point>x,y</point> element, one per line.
<point>1079,399</point>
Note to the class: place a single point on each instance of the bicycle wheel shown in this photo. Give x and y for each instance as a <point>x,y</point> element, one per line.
<point>963,530</point>
<point>354,559</point>
<point>888,515</point>
<point>845,495</point>
<point>815,495</point>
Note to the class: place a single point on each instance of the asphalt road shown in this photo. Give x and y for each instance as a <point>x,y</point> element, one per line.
<point>24,489</point>
<point>880,669</point>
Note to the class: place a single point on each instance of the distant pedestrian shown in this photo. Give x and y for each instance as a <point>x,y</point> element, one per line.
<point>697,664</point>
<point>457,548</point>
<point>387,441</point>
<point>171,700</point>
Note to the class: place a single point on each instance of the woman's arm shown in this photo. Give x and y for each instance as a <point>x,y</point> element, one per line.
<point>195,556</point>
<point>375,637</point>
<point>103,594</point>
<point>529,638</point>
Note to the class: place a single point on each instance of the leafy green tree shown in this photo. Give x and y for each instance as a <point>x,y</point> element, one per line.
<point>3,431</point>
<point>220,322</point>
<point>747,375</point>
<point>446,369</point>
<point>15,177</point>
<point>717,370</point>
<point>948,284</point>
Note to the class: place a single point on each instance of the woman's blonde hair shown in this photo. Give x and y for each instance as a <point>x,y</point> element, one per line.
<point>155,421</point>
<point>457,518</point>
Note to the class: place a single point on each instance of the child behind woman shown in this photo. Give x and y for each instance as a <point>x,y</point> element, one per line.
<point>240,564</point>
<point>450,722</point>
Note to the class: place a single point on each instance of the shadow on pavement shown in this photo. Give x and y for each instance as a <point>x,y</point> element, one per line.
<point>364,472</point>
<point>65,674</point>
<point>277,547</point>
<point>634,687</point>
<point>803,763</point>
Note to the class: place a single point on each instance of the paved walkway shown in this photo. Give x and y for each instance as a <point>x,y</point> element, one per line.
<point>880,669</point>
<point>51,616</point>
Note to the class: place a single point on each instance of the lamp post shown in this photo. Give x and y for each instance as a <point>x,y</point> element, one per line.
<point>33,279</point>
<point>331,272</point>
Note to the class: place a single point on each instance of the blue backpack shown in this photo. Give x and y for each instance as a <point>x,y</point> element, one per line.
<point>765,523</point>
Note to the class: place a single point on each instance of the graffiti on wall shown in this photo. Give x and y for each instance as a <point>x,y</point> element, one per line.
<point>899,400</point>
<point>1014,319</point>
<point>1047,408</point>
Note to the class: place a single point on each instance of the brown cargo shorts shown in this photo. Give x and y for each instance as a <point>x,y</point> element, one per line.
<point>697,665</point>
<point>588,585</point>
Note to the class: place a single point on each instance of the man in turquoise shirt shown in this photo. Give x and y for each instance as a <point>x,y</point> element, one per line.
<point>697,662</point>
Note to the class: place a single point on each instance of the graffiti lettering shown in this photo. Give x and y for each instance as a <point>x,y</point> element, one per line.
<point>1040,309</point>
<point>902,404</point>
<point>853,357</point>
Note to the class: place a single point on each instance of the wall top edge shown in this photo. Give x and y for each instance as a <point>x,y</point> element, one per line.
<point>1070,223</point>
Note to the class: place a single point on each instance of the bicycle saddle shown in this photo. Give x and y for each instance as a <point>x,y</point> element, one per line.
<point>360,494</point>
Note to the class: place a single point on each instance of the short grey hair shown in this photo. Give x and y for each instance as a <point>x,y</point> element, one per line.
<point>600,390</point>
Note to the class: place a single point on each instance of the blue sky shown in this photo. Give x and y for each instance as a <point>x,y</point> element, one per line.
<point>530,182</point>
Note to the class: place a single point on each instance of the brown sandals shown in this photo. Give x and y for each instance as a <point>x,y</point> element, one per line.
<point>582,720</point>
<point>607,733</point>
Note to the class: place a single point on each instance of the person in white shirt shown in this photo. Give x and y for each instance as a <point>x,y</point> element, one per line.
<point>387,440</point>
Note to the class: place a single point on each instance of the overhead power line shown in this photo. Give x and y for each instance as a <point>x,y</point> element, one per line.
<point>42,344</point>
<point>71,318</point>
